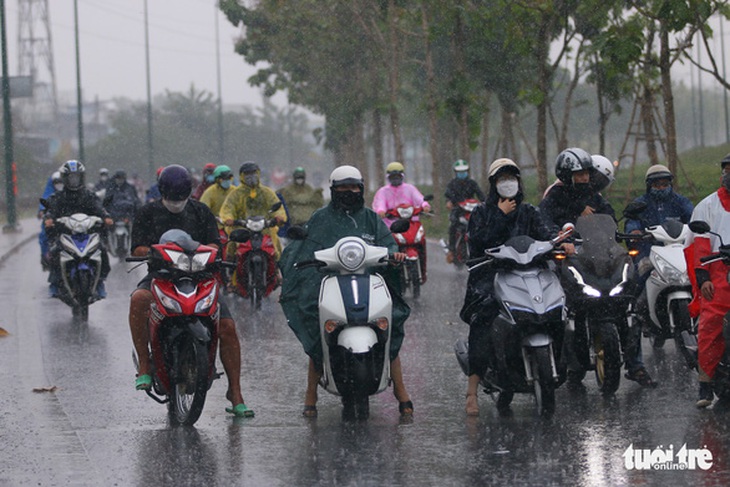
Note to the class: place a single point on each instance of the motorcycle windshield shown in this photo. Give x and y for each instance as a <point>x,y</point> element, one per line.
<point>599,252</point>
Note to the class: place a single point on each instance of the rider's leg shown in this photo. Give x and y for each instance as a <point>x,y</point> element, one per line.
<point>230,354</point>
<point>139,309</point>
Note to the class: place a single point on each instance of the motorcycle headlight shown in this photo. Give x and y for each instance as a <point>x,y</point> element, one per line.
<point>166,301</point>
<point>205,303</point>
<point>351,255</point>
<point>179,260</point>
<point>199,261</point>
<point>591,291</point>
<point>255,225</point>
<point>668,272</point>
<point>405,212</point>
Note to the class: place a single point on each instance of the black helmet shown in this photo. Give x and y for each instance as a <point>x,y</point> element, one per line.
<point>72,174</point>
<point>725,161</point>
<point>175,183</point>
<point>570,161</point>
<point>120,174</point>
<point>248,167</point>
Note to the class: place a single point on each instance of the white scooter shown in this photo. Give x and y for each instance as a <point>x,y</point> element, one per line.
<point>355,319</point>
<point>668,289</point>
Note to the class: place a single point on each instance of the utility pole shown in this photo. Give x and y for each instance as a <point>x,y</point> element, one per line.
<point>8,128</point>
<point>79,99</point>
<point>150,147</point>
<point>724,92</point>
<point>221,151</point>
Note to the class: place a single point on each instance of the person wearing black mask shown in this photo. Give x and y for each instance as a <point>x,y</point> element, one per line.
<point>564,203</point>
<point>344,216</point>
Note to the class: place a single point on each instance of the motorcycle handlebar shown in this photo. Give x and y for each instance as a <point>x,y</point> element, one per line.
<point>309,263</point>
<point>711,257</point>
<point>136,259</point>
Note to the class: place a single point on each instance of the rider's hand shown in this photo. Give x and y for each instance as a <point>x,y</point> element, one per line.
<point>449,205</point>
<point>636,232</point>
<point>708,290</point>
<point>229,222</point>
<point>381,214</point>
<point>507,205</point>
<point>48,222</point>
<point>108,222</point>
<point>399,256</point>
<point>587,211</point>
<point>40,214</point>
<point>568,248</point>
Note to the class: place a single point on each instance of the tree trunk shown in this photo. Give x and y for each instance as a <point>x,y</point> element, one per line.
<point>543,84</point>
<point>393,80</point>
<point>460,66</point>
<point>509,147</point>
<point>378,146</point>
<point>485,141</point>
<point>431,107</point>
<point>668,96</point>
<point>647,123</point>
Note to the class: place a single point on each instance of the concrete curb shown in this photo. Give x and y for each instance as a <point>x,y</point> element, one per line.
<point>12,250</point>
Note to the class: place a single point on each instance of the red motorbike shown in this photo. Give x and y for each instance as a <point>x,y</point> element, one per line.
<point>413,243</point>
<point>255,275</point>
<point>461,249</point>
<point>183,323</point>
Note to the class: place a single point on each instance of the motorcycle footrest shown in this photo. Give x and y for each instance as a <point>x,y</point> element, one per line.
<point>156,398</point>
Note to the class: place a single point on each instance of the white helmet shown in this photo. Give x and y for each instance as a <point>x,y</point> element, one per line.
<point>501,164</point>
<point>603,176</point>
<point>345,175</point>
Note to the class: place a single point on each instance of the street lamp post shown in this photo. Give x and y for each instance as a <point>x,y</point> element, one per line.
<point>150,146</point>
<point>8,128</point>
<point>79,99</point>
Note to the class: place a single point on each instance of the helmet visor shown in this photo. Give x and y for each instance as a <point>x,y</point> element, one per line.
<point>74,180</point>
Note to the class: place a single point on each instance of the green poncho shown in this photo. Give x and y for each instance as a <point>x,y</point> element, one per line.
<point>300,288</point>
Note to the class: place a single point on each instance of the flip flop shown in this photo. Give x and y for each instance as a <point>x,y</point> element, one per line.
<point>310,412</point>
<point>405,408</point>
<point>240,411</point>
<point>143,382</point>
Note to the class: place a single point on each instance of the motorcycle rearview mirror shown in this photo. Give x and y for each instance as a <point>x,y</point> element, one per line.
<point>240,235</point>
<point>565,232</point>
<point>634,209</point>
<point>699,227</point>
<point>400,226</point>
<point>275,206</point>
<point>428,197</point>
<point>296,232</point>
<point>44,202</point>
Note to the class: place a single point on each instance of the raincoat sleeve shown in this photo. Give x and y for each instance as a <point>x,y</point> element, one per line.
<point>380,200</point>
<point>233,206</point>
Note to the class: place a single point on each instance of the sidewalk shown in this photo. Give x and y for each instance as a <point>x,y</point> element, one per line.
<point>12,242</point>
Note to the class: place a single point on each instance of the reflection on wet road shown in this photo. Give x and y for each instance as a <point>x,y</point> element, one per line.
<point>96,430</point>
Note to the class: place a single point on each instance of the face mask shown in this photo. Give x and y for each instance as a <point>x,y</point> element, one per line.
<point>58,186</point>
<point>582,188</point>
<point>661,194</point>
<point>299,181</point>
<point>462,175</point>
<point>209,179</point>
<point>251,179</point>
<point>396,180</point>
<point>226,183</point>
<point>348,200</point>
<point>174,206</point>
<point>508,188</point>
<point>726,180</point>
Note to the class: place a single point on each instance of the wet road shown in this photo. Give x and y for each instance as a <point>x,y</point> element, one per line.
<point>96,430</point>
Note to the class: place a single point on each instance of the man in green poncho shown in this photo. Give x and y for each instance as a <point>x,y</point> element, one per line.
<point>344,216</point>
<point>301,199</point>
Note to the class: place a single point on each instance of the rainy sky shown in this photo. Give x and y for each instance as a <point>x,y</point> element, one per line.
<point>182,49</point>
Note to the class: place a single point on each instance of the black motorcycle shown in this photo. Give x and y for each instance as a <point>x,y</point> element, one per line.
<point>600,288</point>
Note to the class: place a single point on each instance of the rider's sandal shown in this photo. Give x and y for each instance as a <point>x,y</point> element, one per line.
<point>309,411</point>
<point>642,377</point>
<point>405,408</point>
<point>240,411</point>
<point>143,382</point>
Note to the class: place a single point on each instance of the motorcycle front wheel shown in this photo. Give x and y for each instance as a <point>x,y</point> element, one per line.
<point>542,373</point>
<point>257,282</point>
<point>607,347</point>
<point>684,338</point>
<point>414,278</point>
<point>189,381</point>
<point>82,293</point>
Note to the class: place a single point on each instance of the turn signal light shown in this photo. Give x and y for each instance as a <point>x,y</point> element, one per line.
<point>559,256</point>
<point>330,325</point>
<point>634,252</point>
<point>382,323</point>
